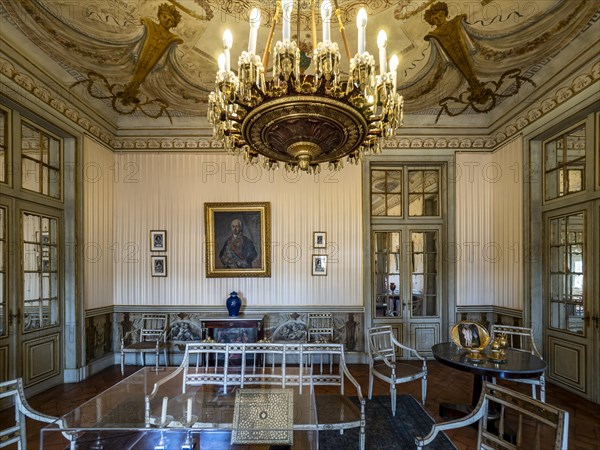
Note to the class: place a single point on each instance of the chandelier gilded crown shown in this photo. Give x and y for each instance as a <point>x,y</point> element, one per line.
<point>302,120</point>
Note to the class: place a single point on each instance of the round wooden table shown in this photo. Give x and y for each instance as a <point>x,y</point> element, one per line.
<point>518,364</point>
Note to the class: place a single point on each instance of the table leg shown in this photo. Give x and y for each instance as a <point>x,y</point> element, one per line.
<point>458,410</point>
<point>477,388</point>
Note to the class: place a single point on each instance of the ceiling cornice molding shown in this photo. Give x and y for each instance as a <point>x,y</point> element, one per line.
<point>172,143</point>
<point>490,142</point>
<point>550,102</point>
<point>49,97</point>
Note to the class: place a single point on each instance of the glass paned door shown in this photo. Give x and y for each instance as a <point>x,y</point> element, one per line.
<point>424,273</point>
<point>387,260</point>
<point>570,297</point>
<point>405,273</point>
<point>40,271</point>
<point>566,286</point>
<point>3,272</point>
<point>564,163</point>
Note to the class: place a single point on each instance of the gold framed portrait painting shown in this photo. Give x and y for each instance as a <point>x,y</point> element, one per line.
<point>238,239</point>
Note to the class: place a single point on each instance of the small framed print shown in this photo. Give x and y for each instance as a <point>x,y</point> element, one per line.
<point>158,241</point>
<point>319,239</point>
<point>319,264</point>
<point>159,266</point>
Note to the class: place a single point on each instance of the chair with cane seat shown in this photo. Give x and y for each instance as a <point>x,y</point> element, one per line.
<point>151,337</point>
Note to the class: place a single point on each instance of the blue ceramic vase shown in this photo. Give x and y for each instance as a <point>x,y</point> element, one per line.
<point>233,304</point>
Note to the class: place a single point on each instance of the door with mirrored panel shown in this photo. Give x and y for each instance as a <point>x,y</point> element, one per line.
<point>36,314</point>
<point>571,270</point>
<point>405,261</point>
<point>33,214</point>
<point>572,311</point>
<point>5,312</point>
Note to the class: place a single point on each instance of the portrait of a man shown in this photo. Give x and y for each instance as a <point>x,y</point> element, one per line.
<point>238,251</point>
<point>237,239</point>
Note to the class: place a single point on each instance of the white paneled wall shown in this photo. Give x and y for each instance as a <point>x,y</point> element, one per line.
<point>473,229</point>
<point>167,191</point>
<point>98,188</point>
<point>488,227</point>
<point>507,253</point>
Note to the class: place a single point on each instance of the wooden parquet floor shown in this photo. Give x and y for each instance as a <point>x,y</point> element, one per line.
<point>444,385</point>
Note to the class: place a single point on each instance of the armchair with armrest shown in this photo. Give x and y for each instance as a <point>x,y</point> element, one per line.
<point>383,349</point>
<point>151,338</point>
<point>509,420</point>
<point>521,339</point>
<point>17,433</point>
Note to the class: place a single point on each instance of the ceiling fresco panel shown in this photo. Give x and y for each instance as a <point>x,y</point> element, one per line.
<point>140,65</point>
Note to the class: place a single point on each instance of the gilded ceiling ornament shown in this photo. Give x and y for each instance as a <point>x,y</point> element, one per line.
<point>128,99</point>
<point>99,87</point>
<point>481,96</point>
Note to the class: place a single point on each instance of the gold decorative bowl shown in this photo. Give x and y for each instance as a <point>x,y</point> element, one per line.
<point>471,336</point>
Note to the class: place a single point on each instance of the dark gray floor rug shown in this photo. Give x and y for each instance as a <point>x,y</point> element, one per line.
<point>385,432</point>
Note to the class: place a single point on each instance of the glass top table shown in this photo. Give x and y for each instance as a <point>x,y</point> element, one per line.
<point>117,418</point>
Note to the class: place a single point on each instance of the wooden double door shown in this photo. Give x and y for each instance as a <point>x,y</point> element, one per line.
<point>407,283</point>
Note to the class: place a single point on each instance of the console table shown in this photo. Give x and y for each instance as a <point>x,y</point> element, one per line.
<point>242,328</point>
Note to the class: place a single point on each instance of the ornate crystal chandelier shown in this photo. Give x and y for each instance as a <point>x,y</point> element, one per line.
<point>303,120</point>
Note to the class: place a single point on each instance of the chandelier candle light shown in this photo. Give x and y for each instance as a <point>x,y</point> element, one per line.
<point>302,120</point>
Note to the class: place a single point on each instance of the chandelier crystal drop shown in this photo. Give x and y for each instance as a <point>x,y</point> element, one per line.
<point>302,120</point>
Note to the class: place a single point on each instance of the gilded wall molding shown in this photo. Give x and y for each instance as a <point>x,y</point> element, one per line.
<point>53,100</point>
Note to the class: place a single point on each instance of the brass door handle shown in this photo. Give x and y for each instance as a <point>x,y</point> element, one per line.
<point>586,320</point>
<point>596,319</point>
<point>12,317</point>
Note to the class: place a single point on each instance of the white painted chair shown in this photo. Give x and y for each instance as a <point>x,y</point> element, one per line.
<point>521,339</point>
<point>383,350</point>
<point>151,337</point>
<point>17,433</point>
<point>320,327</point>
<point>509,420</point>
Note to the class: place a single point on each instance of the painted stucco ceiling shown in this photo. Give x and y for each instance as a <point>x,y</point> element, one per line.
<point>94,48</point>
